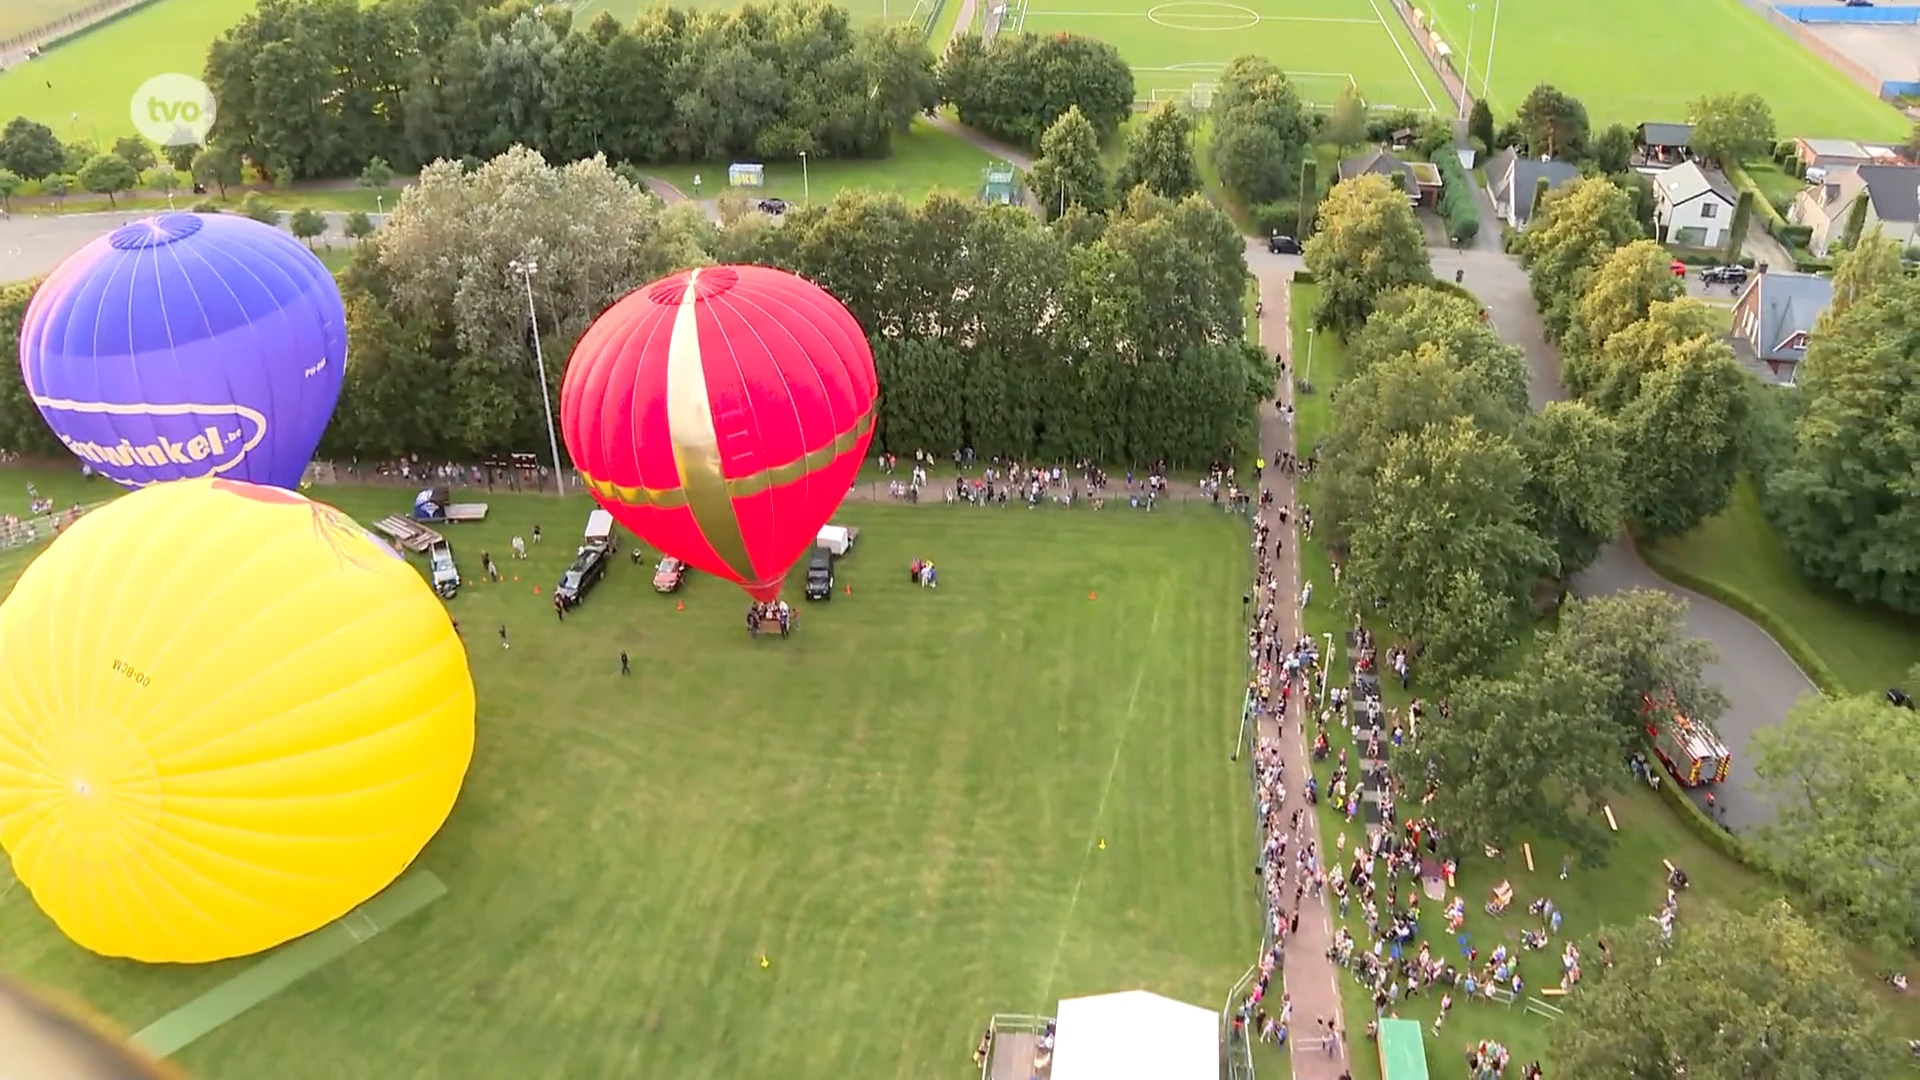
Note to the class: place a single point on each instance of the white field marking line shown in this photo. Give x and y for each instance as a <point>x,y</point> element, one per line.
<point>1100,809</point>
<point>1395,38</point>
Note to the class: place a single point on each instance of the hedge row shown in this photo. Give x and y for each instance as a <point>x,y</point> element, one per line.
<point>1457,202</point>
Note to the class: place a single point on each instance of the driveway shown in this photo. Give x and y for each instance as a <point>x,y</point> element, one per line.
<point>31,245</point>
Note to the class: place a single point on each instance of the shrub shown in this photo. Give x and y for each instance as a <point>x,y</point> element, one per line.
<point>206,206</point>
<point>1457,204</point>
<point>1794,235</point>
<point>1279,216</point>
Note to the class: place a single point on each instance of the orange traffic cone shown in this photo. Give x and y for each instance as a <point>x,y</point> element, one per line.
<point>1092,596</point>
<point>849,590</point>
<point>536,590</point>
<point>679,605</point>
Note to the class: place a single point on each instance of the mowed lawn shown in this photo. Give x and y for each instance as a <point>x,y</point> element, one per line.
<point>1323,45</point>
<point>1631,61</point>
<point>924,160</point>
<point>83,88</point>
<point>926,807</point>
<point>585,11</point>
<point>1630,886</point>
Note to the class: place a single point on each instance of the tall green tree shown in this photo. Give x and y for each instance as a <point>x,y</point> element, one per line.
<point>1612,149</point>
<point>1070,171</point>
<point>1856,220</point>
<point>1553,123</point>
<point>1480,125</point>
<point>1529,755</point>
<point>1732,997</point>
<point>1017,85</point>
<point>1737,231</point>
<point>1569,236</point>
<point>31,150</point>
<point>1260,130</point>
<point>136,152</point>
<point>1346,125</point>
<point>1847,503</point>
<point>1637,646</point>
<point>307,224</point>
<point>10,184</point>
<point>1860,270</point>
<point>1731,128</point>
<point>1446,544</point>
<point>1160,154</point>
<point>1367,244</point>
<point>1620,292</point>
<point>1416,315</point>
<point>1840,772</point>
<point>1611,378</point>
<point>217,166</point>
<point>1576,481</point>
<point>1309,197</point>
<point>1684,434</point>
<point>108,174</point>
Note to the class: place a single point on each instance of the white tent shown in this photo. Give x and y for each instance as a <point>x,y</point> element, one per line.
<point>1135,1035</point>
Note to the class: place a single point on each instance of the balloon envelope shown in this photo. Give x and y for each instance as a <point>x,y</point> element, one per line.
<point>188,345</point>
<point>722,414</point>
<point>227,717</point>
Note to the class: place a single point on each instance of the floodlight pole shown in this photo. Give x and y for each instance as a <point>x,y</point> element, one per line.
<point>1486,71</point>
<point>526,269</point>
<point>806,182</point>
<point>1309,375</point>
<point>1466,77</point>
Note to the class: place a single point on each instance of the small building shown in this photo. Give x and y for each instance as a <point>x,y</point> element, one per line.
<point>1420,179</point>
<point>1774,320</point>
<point>1830,153</point>
<point>1512,179</point>
<point>1893,204</point>
<point>1000,183</point>
<point>1135,1035</point>
<point>1692,206</point>
<point>1659,145</point>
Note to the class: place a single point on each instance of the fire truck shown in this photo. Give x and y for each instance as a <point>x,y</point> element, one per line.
<point>1689,747</point>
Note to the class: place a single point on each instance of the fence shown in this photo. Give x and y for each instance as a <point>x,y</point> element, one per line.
<point>1846,65</point>
<point>21,46</point>
<point>1005,1024</point>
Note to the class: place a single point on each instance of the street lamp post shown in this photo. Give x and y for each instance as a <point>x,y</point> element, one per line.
<point>526,268</point>
<point>1486,72</point>
<point>1309,377</point>
<point>380,205</point>
<point>1466,76</point>
<point>806,182</point>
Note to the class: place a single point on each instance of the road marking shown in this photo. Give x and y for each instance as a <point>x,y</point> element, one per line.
<point>1395,38</point>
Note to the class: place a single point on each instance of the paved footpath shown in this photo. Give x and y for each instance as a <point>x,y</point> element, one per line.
<point>1311,979</point>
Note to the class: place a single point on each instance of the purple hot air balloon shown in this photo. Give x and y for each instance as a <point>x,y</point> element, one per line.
<point>188,345</point>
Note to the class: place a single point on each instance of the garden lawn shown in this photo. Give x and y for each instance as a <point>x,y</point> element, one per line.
<point>1736,555</point>
<point>1323,45</point>
<point>926,807</point>
<point>325,195</point>
<point>1775,186</point>
<point>925,159</point>
<point>1629,887</point>
<point>1632,61</point>
<point>83,87</point>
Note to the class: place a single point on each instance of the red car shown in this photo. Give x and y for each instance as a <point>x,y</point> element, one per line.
<point>1679,268</point>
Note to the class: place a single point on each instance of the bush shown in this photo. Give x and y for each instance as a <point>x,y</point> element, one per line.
<point>1808,264</point>
<point>1280,216</point>
<point>1794,235</point>
<point>1694,256</point>
<point>206,206</point>
<point>1796,168</point>
<point>1457,204</point>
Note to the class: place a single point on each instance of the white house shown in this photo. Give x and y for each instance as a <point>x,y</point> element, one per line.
<point>1692,206</point>
<point>1892,193</point>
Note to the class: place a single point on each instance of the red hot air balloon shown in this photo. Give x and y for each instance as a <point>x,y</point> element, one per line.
<point>721,414</point>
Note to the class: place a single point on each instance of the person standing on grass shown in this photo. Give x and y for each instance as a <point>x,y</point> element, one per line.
<point>625,668</point>
<point>503,637</point>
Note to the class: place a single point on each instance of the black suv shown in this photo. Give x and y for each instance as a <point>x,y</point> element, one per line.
<point>1731,274</point>
<point>588,568</point>
<point>1281,244</point>
<point>773,206</point>
<point>820,573</point>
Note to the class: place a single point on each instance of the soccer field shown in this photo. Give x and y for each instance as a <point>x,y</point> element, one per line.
<point>585,11</point>
<point>1179,46</point>
<point>926,807</point>
<point>83,88</point>
<point>1631,61</point>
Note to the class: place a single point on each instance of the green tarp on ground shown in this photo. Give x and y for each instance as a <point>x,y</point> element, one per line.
<point>1403,1056</point>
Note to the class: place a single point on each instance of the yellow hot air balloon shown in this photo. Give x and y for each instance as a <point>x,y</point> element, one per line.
<point>228,716</point>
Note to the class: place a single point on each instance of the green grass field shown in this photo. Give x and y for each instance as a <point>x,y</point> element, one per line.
<point>1631,61</point>
<point>83,88</point>
<point>585,11</point>
<point>1867,649</point>
<point>1628,888</point>
<point>923,160</point>
<point>1323,45</point>
<point>902,807</point>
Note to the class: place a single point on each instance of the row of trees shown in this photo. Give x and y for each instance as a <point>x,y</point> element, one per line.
<point>311,88</point>
<point>1071,172</point>
<point>1116,337</point>
<point>1017,86</point>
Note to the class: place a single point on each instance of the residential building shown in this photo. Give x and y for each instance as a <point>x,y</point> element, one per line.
<point>1893,204</point>
<point>1658,146</point>
<point>1774,320</point>
<point>1692,206</point>
<point>1419,179</point>
<point>1830,153</point>
<point>1512,179</point>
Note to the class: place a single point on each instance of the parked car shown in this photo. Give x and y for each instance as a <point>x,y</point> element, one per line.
<point>773,206</point>
<point>446,576</point>
<point>668,575</point>
<point>1282,244</point>
<point>820,573</point>
<point>1731,274</point>
<point>588,568</point>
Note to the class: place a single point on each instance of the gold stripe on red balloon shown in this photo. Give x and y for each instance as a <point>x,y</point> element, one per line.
<point>673,498</point>
<point>696,442</point>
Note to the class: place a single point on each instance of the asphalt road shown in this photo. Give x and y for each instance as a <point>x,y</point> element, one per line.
<point>31,245</point>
